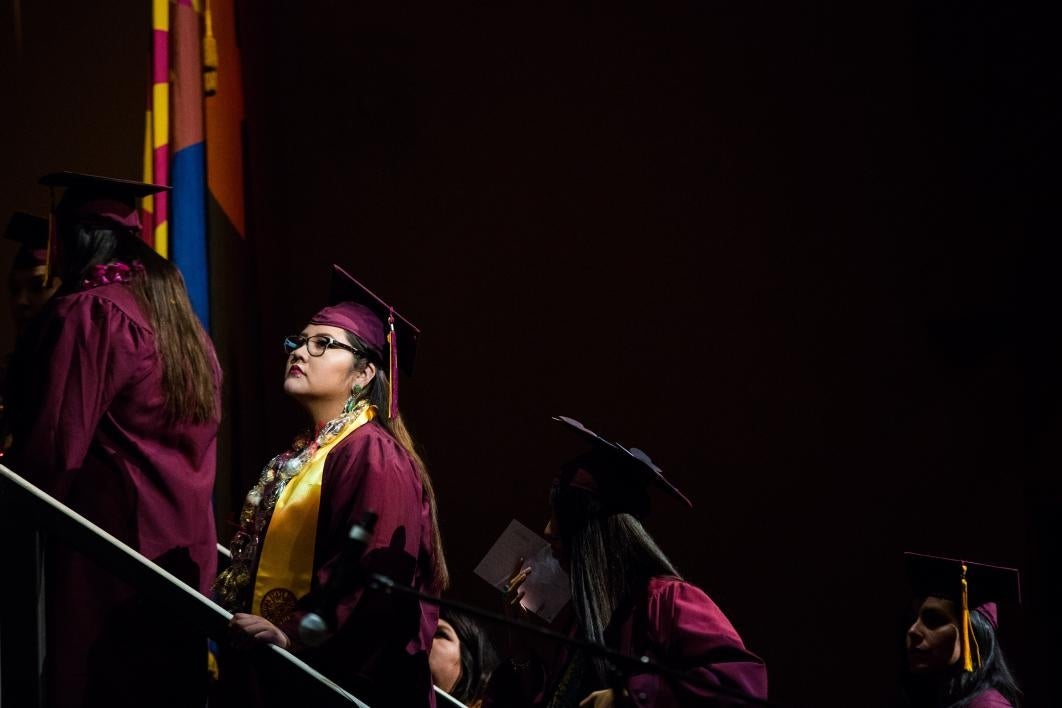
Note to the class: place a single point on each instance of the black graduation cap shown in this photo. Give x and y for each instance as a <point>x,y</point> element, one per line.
<point>942,577</point>
<point>977,587</point>
<point>31,233</point>
<point>620,476</point>
<point>355,308</point>
<point>108,201</point>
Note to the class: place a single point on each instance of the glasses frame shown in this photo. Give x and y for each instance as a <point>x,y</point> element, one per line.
<point>304,341</point>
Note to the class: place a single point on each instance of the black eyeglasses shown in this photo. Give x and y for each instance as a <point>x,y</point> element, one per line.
<point>315,345</point>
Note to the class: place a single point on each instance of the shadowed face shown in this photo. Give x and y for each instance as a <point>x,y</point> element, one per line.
<point>933,641</point>
<point>445,657</point>
<point>556,545</point>
<point>29,293</point>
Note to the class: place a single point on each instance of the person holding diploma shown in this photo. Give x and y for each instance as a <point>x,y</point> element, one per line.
<point>626,595</point>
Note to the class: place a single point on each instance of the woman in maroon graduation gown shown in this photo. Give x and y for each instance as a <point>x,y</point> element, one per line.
<point>626,595</point>
<point>358,458</point>
<point>115,413</point>
<point>954,657</point>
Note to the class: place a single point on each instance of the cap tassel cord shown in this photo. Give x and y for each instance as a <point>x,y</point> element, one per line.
<point>976,646</point>
<point>967,658</point>
<point>392,365</point>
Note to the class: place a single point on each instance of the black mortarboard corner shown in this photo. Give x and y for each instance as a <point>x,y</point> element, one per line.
<point>31,233</point>
<point>355,308</point>
<point>976,587</point>
<point>619,476</point>
<point>104,202</point>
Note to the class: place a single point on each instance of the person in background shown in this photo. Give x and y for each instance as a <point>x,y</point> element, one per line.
<point>29,284</point>
<point>30,287</point>
<point>114,392</point>
<point>462,657</point>
<point>357,456</point>
<point>954,657</point>
<point>626,595</point>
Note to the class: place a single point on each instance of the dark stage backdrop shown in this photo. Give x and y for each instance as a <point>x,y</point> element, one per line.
<point>799,254</point>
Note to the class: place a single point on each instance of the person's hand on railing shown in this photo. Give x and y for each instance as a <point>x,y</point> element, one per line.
<point>249,630</point>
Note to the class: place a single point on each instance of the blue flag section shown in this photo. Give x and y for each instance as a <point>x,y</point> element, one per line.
<point>188,243</point>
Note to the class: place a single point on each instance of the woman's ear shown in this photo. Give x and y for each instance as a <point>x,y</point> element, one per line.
<point>363,377</point>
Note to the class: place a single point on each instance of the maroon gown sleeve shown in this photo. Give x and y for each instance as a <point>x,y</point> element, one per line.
<point>688,631</point>
<point>88,429</point>
<point>989,699</point>
<point>86,354</point>
<point>380,639</point>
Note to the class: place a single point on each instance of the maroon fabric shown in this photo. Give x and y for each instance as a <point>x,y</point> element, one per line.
<point>679,625</point>
<point>88,430</point>
<point>676,624</point>
<point>990,611</point>
<point>82,209</point>
<point>380,650</point>
<point>355,318</point>
<point>989,699</point>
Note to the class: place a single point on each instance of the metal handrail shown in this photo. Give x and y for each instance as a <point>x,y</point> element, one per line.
<point>50,516</point>
<point>441,696</point>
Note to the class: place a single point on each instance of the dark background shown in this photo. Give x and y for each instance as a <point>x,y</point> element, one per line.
<point>802,254</point>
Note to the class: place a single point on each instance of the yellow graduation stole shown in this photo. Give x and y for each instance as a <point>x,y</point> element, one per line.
<point>285,566</point>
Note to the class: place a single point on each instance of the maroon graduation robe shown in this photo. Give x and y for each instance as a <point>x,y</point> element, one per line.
<point>676,624</point>
<point>989,699</point>
<point>379,651</point>
<point>90,430</point>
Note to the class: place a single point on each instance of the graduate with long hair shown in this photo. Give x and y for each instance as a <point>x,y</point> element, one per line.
<point>953,654</point>
<point>114,399</point>
<point>357,456</point>
<point>627,595</point>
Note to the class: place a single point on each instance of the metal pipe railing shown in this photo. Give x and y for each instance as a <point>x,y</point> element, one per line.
<point>30,512</point>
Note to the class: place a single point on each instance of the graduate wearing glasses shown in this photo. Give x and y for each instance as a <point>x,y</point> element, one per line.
<point>357,457</point>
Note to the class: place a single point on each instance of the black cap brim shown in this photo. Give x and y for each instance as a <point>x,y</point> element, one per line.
<point>345,288</point>
<point>942,577</point>
<point>625,466</point>
<point>29,230</point>
<point>109,187</point>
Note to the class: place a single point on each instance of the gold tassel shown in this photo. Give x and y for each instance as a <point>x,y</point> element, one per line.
<point>967,658</point>
<point>392,367</point>
<point>210,54</point>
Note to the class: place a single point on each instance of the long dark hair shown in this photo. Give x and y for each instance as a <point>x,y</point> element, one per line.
<point>958,688</point>
<point>612,558</point>
<point>189,367</point>
<point>377,393</point>
<point>478,657</point>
